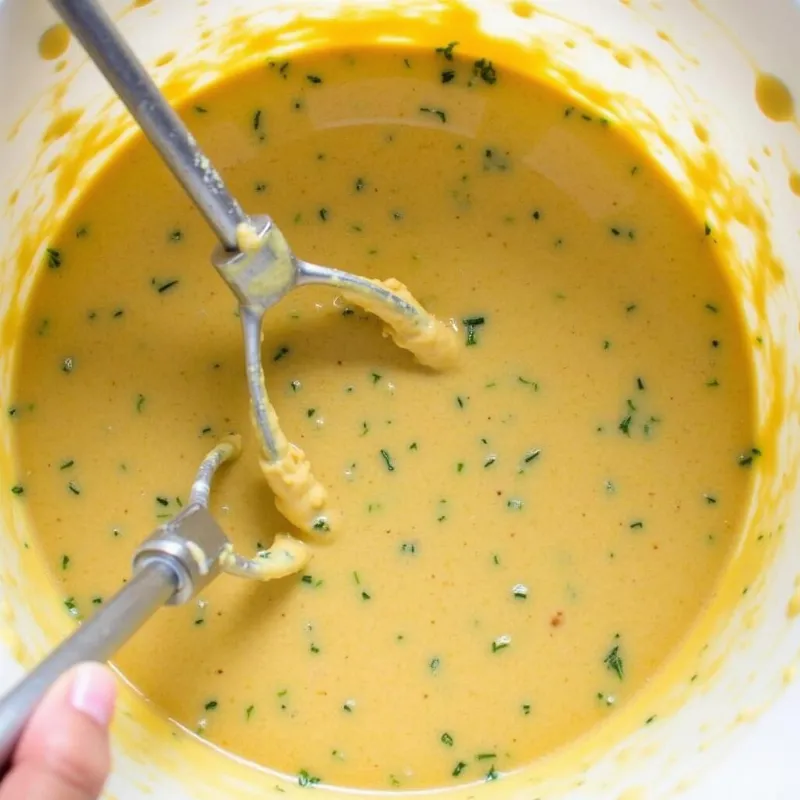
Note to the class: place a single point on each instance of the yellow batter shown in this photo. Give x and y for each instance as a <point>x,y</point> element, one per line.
<point>524,538</point>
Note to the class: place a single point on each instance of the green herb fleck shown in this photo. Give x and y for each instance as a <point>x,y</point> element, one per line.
<point>74,488</point>
<point>211,705</point>
<point>485,70</point>
<point>447,51</point>
<point>613,662</point>
<point>387,460</point>
<point>527,382</point>
<point>448,75</point>
<point>304,778</point>
<point>64,562</point>
<point>438,112</point>
<point>53,258</point>
<point>248,712</point>
<point>471,325</point>
<point>625,425</point>
<point>67,464</point>
<point>500,643</point>
<point>485,756</point>
<point>459,768</point>
<point>446,739</point>
<point>637,525</point>
<point>280,353</point>
<point>712,308</point>
<point>314,79</point>
<point>72,607</point>
<point>434,664</point>
<point>526,709</point>
<point>532,455</point>
<point>746,459</point>
<point>164,286</point>
<point>67,365</point>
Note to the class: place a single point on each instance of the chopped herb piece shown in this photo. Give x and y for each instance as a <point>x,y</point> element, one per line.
<point>492,774</point>
<point>471,324</point>
<point>348,705</point>
<point>257,120</point>
<point>613,662</point>
<point>712,308</point>
<point>140,401</point>
<point>606,344</point>
<point>74,488</point>
<point>360,184</point>
<point>323,214</point>
<point>640,384</point>
<point>460,466</point>
<point>650,720</point>
<point>314,79</point>
<point>280,353</point>
<point>321,524</point>
<point>375,377</point>
<point>515,504</point>
<point>746,459</point>
<point>710,499</point>
<point>72,607</point>
<point>387,460</point>
<point>165,286</point>
<point>527,382</point>
<point>630,307</point>
<point>712,383</point>
<point>708,229</point>
<point>97,601</point>
<point>64,562</point>
<point>438,112</point>
<point>162,501</point>
<point>448,75</point>
<point>82,232</point>
<point>625,425</point>
<point>413,446</point>
<point>304,778</point>
<point>313,648</point>
<point>461,401</point>
<point>67,365</point>
<point>496,559</point>
<point>638,525</point>
<point>446,739</point>
<point>532,455</point>
<point>310,412</point>
<point>211,705</point>
<point>526,709</point>
<point>53,258</point>
<point>447,51</point>
<point>500,643</point>
<point>459,768</point>
<point>485,756</point>
<point>434,664</point>
<point>485,71</point>
<point>366,596</point>
<point>248,712</point>
<point>408,547</point>
<point>200,110</point>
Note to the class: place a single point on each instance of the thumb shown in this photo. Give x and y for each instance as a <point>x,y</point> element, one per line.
<point>64,752</point>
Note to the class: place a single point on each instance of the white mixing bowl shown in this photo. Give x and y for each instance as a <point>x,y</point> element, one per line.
<point>682,75</point>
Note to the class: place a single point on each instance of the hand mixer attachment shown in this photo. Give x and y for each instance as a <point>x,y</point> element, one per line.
<point>255,261</point>
<point>185,554</point>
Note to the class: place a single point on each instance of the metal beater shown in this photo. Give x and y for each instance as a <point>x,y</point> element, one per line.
<point>185,554</point>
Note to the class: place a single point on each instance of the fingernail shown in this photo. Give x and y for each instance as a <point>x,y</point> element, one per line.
<point>94,692</point>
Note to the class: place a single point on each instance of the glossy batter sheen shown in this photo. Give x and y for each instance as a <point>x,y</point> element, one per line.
<point>523,539</point>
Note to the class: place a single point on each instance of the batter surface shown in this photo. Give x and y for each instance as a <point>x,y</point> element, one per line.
<point>523,539</point>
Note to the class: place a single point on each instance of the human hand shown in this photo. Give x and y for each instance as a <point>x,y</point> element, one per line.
<point>64,752</point>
